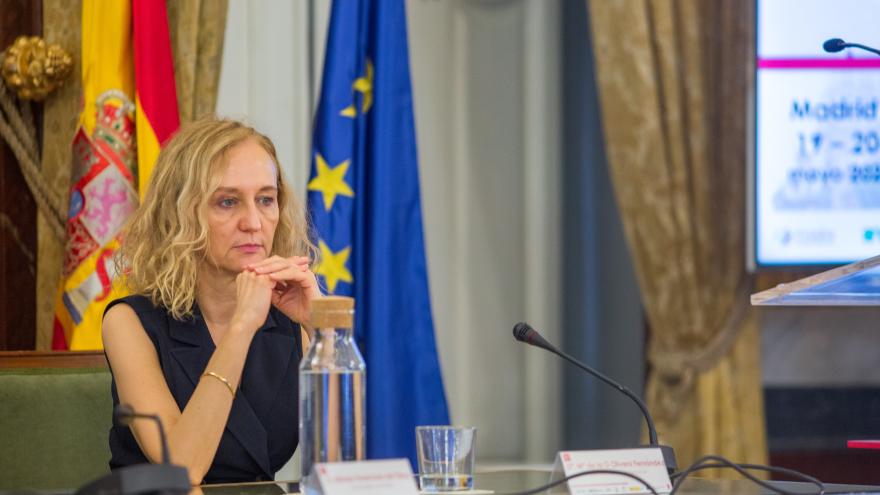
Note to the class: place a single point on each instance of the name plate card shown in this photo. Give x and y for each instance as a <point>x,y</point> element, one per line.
<point>383,477</point>
<point>646,463</point>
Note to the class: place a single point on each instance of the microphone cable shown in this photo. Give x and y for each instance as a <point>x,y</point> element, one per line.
<point>706,462</point>
<point>535,491</point>
<point>719,462</point>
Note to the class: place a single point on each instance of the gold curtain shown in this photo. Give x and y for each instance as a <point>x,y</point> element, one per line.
<point>673,79</point>
<point>60,114</point>
<point>197,28</point>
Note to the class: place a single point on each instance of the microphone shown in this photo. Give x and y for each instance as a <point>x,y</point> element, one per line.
<point>523,332</point>
<point>125,415</point>
<point>835,45</point>
<point>141,479</point>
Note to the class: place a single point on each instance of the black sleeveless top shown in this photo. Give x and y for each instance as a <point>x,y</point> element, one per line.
<point>262,431</point>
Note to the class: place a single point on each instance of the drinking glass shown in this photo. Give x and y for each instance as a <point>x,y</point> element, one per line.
<point>446,457</point>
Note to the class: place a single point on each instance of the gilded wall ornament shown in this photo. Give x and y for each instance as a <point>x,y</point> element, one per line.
<point>33,69</point>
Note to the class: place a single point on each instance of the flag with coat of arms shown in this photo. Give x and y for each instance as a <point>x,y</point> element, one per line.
<point>129,108</point>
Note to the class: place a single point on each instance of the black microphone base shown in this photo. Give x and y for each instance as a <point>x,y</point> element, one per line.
<point>140,479</point>
<point>668,456</point>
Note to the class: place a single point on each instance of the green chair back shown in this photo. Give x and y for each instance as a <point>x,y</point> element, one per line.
<point>54,424</point>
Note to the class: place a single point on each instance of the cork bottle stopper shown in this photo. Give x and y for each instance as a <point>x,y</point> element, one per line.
<point>333,312</point>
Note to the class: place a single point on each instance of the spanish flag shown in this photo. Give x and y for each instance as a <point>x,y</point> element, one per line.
<point>129,109</point>
<point>156,97</point>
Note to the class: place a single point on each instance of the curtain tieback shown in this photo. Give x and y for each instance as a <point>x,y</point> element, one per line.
<point>682,366</point>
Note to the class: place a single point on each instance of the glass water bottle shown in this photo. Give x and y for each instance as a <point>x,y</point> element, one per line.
<point>332,391</point>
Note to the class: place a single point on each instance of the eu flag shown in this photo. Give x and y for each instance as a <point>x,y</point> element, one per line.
<point>363,197</point>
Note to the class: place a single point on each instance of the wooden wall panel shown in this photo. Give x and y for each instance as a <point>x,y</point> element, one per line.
<point>65,359</point>
<point>18,217</point>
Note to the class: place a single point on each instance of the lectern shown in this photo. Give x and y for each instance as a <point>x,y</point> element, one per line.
<point>856,284</point>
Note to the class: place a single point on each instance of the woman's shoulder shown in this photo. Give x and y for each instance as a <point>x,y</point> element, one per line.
<point>154,319</point>
<point>123,317</point>
<point>139,303</point>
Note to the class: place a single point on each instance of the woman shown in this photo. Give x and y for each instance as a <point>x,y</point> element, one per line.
<point>217,258</point>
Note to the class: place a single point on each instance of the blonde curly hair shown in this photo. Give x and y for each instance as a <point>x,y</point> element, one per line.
<point>166,239</point>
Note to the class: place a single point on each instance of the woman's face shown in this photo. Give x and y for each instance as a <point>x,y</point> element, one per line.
<point>243,210</point>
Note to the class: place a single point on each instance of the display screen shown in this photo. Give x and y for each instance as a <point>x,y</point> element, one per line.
<point>817,133</point>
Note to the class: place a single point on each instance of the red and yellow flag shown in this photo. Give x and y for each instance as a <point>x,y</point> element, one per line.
<point>129,108</point>
<point>156,98</point>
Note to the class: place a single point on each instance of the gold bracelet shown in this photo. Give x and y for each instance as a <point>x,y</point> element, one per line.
<point>224,380</point>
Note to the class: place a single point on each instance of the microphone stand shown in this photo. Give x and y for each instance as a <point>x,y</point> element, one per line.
<point>863,47</point>
<point>525,333</point>
<point>141,479</point>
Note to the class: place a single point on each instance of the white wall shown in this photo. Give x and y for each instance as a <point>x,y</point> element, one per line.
<point>265,77</point>
<point>486,83</point>
<point>485,77</point>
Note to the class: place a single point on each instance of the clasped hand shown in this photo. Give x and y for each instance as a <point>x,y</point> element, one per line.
<point>286,283</point>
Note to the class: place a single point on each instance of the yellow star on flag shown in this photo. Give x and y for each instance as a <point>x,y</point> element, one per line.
<point>330,181</point>
<point>363,85</point>
<point>332,266</point>
<point>349,111</point>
